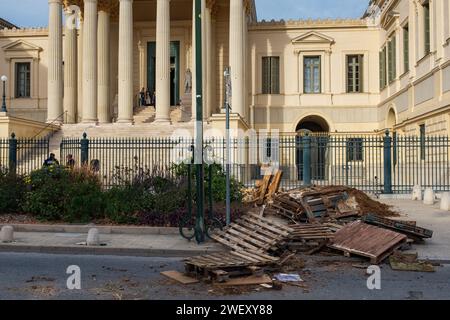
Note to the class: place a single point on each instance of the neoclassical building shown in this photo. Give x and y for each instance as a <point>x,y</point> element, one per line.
<point>388,69</point>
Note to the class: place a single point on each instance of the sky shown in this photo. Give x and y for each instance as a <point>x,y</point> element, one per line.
<point>34,13</point>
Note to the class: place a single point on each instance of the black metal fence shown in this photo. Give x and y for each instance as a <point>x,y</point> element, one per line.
<point>23,155</point>
<point>371,163</point>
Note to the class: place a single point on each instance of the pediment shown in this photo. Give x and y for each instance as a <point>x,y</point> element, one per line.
<point>21,45</point>
<point>313,37</point>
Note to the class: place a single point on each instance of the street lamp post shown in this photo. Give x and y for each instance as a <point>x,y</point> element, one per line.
<point>227,76</point>
<point>4,79</point>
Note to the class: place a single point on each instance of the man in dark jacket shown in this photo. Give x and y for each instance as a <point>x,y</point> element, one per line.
<point>51,161</point>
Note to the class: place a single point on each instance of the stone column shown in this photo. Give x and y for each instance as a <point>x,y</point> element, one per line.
<point>70,71</point>
<point>194,67</point>
<point>90,72</point>
<point>104,114</point>
<point>210,54</point>
<point>163,61</point>
<point>80,72</point>
<point>237,56</point>
<point>55,62</point>
<point>126,62</point>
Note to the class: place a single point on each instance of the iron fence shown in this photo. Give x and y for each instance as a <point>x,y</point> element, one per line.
<point>371,163</point>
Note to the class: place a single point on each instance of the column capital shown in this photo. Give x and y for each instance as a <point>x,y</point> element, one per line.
<point>55,1</point>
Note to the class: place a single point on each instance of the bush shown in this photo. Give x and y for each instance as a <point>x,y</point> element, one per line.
<point>58,193</point>
<point>218,185</point>
<point>143,191</point>
<point>12,192</point>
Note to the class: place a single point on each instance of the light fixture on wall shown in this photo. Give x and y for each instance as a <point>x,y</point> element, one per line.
<point>4,79</point>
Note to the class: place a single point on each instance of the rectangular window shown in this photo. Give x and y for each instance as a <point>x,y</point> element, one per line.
<point>271,75</point>
<point>392,63</point>
<point>426,27</point>
<point>354,73</point>
<point>23,80</point>
<point>383,68</point>
<point>422,142</point>
<point>355,149</point>
<point>406,48</point>
<point>311,75</point>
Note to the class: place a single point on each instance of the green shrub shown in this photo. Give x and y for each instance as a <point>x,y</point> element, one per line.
<point>58,193</point>
<point>12,192</point>
<point>218,185</point>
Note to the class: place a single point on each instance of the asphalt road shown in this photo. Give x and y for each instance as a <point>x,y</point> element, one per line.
<point>42,276</point>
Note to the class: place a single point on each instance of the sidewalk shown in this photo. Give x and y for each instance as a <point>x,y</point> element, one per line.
<point>143,244</point>
<point>167,242</point>
<point>429,217</point>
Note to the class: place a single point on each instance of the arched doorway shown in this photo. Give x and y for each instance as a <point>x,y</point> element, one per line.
<point>314,124</point>
<point>318,128</point>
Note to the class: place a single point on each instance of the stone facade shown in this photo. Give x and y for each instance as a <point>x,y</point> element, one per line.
<point>93,73</point>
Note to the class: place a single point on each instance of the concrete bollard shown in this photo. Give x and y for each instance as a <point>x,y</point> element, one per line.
<point>7,234</point>
<point>93,238</point>
<point>417,193</point>
<point>429,197</point>
<point>445,201</point>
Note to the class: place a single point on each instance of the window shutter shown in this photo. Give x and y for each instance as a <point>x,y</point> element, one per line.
<point>275,75</point>
<point>265,75</point>
<point>406,48</point>
<point>394,58</point>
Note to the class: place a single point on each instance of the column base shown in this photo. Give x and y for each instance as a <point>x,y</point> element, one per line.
<point>125,121</point>
<point>89,121</point>
<point>162,121</point>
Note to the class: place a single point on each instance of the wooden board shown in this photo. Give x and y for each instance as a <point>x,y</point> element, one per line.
<point>179,277</point>
<point>275,184</point>
<point>247,281</point>
<point>263,189</point>
<point>368,241</point>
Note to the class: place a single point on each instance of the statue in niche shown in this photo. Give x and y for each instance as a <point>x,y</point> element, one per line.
<point>188,81</point>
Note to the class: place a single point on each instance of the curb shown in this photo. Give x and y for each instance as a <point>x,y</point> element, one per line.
<point>84,250</point>
<point>85,228</point>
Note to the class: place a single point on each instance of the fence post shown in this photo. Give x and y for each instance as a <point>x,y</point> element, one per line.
<point>84,150</point>
<point>307,160</point>
<point>387,164</point>
<point>13,154</point>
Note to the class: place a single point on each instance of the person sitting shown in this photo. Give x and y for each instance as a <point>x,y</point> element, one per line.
<point>51,161</point>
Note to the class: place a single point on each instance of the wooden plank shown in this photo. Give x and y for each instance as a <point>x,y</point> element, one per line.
<point>264,224</point>
<point>238,241</point>
<point>264,187</point>
<point>271,222</point>
<point>179,277</point>
<point>260,230</point>
<point>275,184</point>
<point>254,234</point>
<point>249,239</point>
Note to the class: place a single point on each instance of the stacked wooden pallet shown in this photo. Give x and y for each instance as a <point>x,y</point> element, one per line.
<point>311,232</point>
<point>253,232</point>
<point>250,240</point>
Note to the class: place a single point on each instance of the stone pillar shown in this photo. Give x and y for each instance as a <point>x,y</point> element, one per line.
<point>163,61</point>
<point>210,54</point>
<point>55,62</point>
<point>104,114</point>
<point>237,56</point>
<point>194,67</point>
<point>126,96</point>
<point>70,72</point>
<point>90,72</point>
<point>80,72</point>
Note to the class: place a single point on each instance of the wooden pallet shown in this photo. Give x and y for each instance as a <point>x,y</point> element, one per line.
<point>368,241</point>
<point>311,232</point>
<point>403,227</point>
<point>321,205</point>
<point>221,266</point>
<point>253,233</point>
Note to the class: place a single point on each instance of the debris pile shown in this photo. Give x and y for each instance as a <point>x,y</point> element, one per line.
<point>285,225</point>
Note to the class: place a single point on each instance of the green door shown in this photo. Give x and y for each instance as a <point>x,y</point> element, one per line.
<point>174,70</point>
